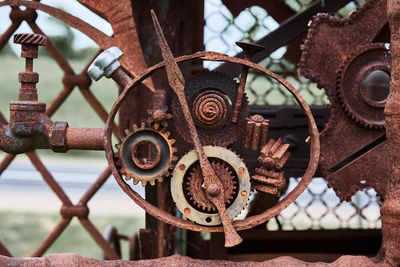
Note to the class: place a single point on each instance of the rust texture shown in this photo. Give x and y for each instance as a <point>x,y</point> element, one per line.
<point>209,95</point>
<point>256,132</point>
<point>356,122</point>
<point>21,136</point>
<point>249,50</point>
<point>239,224</point>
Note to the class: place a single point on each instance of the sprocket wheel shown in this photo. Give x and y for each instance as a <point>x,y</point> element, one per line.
<point>145,154</point>
<point>210,96</point>
<point>194,190</point>
<point>350,88</point>
<point>189,195</point>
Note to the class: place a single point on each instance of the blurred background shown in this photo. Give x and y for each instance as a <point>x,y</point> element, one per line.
<point>29,209</point>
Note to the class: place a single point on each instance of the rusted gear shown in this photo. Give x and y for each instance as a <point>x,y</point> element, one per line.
<point>210,96</point>
<point>158,118</point>
<point>256,132</point>
<point>145,154</point>
<point>195,193</point>
<point>30,39</point>
<point>189,195</point>
<point>350,89</point>
<point>352,143</point>
<point>269,178</point>
<point>246,223</point>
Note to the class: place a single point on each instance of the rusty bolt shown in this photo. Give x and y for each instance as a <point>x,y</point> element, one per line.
<point>182,167</point>
<point>105,64</point>
<point>213,190</point>
<point>241,171</point>
<point>186,211</point>
<point>243,193</point>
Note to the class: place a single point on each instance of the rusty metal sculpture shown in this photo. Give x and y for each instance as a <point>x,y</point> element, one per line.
<point>220,180</point>
<point>212,185</point>
<point>31,128</point>
<point>356,121</point>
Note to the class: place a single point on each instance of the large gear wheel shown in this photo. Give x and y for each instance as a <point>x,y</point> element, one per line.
<point>145,154</point>
<point>210,96</point>
<point>189,195</point>
<point>351,76</point>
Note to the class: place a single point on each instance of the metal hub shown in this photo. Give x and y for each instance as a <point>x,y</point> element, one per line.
<point>210,96</point>
<point>145,155</point>
<point>189,195</point>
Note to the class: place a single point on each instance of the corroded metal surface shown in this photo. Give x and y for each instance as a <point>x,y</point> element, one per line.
<point>256,132</point>
<point>356,122</point>
<point>189,195</point>
<point>57,135</point>
<point>145,154</point>
<point>239,224</point>
<point>209,97</point>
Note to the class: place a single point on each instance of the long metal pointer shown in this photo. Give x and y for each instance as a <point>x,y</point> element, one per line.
<point>212,184</point>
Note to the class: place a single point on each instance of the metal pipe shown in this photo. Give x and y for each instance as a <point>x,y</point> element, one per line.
<point>85,138</point>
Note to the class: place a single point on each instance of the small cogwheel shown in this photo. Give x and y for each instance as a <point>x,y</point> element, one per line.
<point>145,154</point>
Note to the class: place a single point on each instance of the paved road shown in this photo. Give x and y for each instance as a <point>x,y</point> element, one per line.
<point>23,189</point>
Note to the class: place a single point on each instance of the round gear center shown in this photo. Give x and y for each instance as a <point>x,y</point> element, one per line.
<point>187,185</point>
<point>211,109</point>
<point>210,96</point>
<point>145,155</point>
<point>361,98</point>
<point>193,184</point>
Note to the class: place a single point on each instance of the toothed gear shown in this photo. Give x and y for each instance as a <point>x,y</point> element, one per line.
<point>187,181</point>
<point>195,193</point>
<point>210,97</point>
<point>145,165</point>
<point>349,84</point>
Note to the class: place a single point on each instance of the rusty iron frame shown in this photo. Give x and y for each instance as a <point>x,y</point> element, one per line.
<point>390,209</point>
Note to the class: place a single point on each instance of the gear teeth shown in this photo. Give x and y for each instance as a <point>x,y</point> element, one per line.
<point>172,141</point>
<point>124,170</point>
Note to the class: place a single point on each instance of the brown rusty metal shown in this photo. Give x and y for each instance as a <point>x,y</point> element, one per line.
<point>356,124</point>
<point>85,138</point>
<point>136,154</point>
<point>212,184</point>
<point>239,224</point>
<point>256,132</point>
<point>209,96</point>
<point>389,254</point>
<point>122,29</point>
<point>249,50</point>
<point>269,178</point>
<point>195,192</point>
<point>29,51</point>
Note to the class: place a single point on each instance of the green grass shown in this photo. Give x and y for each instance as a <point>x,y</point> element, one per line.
<point>23,232</point>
